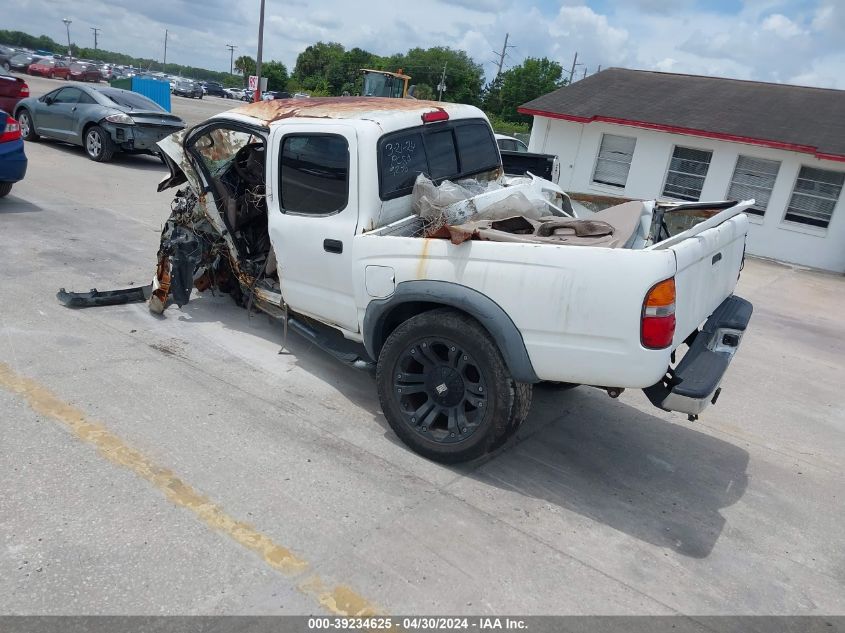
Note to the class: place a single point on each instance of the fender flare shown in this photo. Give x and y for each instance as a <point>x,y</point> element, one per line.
<point>487,312</point>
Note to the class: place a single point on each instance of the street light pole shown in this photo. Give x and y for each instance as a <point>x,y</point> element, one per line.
<point>257,96</point>
<point>67,22</point>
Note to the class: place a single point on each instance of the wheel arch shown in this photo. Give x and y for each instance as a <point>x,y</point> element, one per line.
<point>382,316</point>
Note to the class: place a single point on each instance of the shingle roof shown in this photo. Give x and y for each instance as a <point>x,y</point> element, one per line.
<point>798,118</point>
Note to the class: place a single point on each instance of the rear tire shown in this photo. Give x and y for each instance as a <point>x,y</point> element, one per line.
<point>445,389</point>
<point>5,188</point>
<point>98,144</point>
<point>28,132</point>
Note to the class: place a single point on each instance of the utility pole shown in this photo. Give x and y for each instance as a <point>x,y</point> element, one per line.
<point>442,86</point>
<point>585,73</point>
<point>67,22</point>
<point>231,58</point>
<point>257,96</point>
<point>572,70</point>
<point>164,63</point>
<point>503,54</point>
<point>96,30</point>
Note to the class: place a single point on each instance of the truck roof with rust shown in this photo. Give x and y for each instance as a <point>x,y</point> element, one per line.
<point>381,110</point>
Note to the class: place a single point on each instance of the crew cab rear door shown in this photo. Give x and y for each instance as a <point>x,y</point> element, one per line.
<point>708,257</point>
<point>313,214</point>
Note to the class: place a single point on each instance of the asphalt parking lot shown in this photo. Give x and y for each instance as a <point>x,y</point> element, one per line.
<point>183,465</point>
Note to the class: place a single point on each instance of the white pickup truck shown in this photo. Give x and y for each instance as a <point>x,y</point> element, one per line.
<point>302,208</point>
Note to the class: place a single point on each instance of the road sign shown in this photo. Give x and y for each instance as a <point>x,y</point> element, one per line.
<point>253,83</point>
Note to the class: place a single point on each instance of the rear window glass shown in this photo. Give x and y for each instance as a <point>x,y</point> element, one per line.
<point>129,99</point>
<point>402,158</point>
<point>314,176</point>
<point>441,151</point>
<point>476,146</point>
<point>442,159</point>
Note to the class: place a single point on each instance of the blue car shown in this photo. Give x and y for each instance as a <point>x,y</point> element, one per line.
<point>12,158</point>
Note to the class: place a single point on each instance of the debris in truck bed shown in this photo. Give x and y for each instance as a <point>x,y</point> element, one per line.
<point>456,203</point>
<point>467,210</point>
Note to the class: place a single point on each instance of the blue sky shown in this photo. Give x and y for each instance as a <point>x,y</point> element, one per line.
<point>769,40</point>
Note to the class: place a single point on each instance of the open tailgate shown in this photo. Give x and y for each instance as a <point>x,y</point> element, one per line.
<point>709,257</point>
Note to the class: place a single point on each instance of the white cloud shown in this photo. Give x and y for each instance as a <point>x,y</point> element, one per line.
<point>782,26</point>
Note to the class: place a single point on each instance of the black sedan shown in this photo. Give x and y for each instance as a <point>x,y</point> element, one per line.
<point>101,119</point>
<point>213,88</point>
<point>186,88</point>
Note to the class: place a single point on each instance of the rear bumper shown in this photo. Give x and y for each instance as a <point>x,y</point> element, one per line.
<point>12,161</point>
<point>694,382</point>
<point>139,137</point>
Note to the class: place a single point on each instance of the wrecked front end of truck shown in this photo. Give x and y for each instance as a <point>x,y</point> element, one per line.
<point>216,236</point>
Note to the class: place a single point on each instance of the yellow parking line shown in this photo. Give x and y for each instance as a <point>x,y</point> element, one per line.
<point>340,599</point>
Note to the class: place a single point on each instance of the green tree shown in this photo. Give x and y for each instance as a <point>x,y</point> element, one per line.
<point>246,66</point>
<point>531,79</point>
<point>319,68</point>
<point>277,75</point>
<point>464,78</point>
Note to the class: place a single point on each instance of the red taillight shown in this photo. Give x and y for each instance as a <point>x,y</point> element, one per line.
<point>24,90</point>
<point>12,131</point>
<point>657,325</point>
<point>437,115</point>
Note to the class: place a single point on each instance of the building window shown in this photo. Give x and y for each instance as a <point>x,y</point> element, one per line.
<point>686,174</point>
<point>814,196</point>
<point>614,160</point>
<point>754,178</point>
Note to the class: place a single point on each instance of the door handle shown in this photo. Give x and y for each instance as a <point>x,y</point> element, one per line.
<point>716,258</point>
<point>333,246</point>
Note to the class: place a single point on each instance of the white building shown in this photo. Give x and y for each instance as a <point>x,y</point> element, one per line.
<point>638,134</point>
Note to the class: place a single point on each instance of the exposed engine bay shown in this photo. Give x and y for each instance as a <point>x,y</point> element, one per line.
<point>194,251</point>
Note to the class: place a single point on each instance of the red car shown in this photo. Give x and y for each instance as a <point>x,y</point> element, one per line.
<point>52,68</point>
<point>84,72</point>
<point>12,90</point>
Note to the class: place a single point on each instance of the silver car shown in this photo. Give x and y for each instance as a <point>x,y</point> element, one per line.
<point>102,120</point>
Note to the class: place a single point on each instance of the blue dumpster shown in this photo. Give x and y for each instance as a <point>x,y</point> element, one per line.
<point>153,89</point>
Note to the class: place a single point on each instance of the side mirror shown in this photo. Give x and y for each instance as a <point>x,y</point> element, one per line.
<point>48,100</point>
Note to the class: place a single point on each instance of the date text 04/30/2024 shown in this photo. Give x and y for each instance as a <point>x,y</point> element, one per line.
<point>417,623</point>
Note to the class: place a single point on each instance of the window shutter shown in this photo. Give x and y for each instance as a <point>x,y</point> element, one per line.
<point>814,196</point>
<point>687,171</point>
<point>754,178</point>
<point>614,160</point>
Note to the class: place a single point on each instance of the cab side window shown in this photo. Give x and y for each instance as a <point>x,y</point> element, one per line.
<point>67,95</point>
<point>314,174</point>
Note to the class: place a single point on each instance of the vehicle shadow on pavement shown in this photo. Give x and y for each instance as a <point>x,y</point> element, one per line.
<point>14,204</point>
<point>662,482</point>
<point>658,481</point>
<point>144,162</point>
